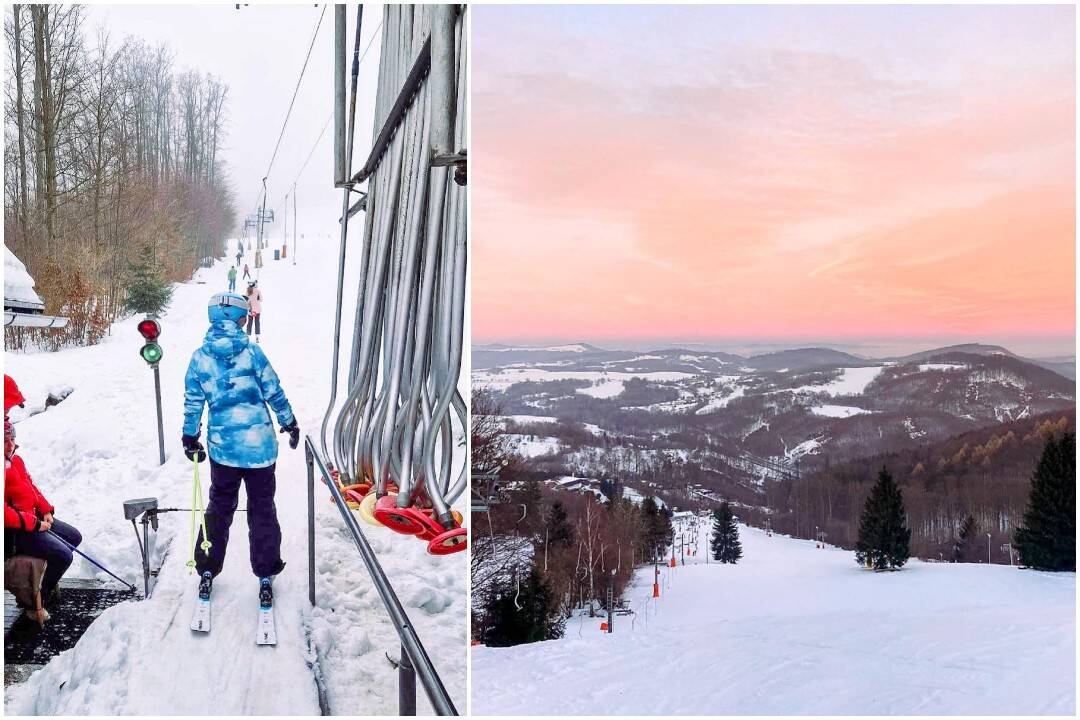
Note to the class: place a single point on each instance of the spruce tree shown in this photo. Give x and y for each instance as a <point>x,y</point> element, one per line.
<point>146,291</point>
<point>883,542</point>
<point>657,527</point>
<point>524,614</point>
<point>964,549</point>
<point>558,530</point>
<point>1047,538</point>
<point>725,539</point>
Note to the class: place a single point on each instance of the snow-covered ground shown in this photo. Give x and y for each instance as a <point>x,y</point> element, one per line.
<point>533,446</point>
<point>852,381</point>
<point>837,411</point>
<point>796,630</point>
<point>99,447</point>
<point>502,378</point>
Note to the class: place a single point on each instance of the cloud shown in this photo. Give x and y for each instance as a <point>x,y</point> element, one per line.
<point>766,189</point>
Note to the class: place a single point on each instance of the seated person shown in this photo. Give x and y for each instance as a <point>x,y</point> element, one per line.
<point>28,520</point>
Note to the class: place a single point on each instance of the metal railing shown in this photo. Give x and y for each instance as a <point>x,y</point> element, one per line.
<point>414,658</point>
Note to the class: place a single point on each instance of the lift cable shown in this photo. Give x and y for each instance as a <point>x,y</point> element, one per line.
<point>329,117</point>
<point>292,102</point>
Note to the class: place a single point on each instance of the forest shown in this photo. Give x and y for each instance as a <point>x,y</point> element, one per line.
<point>539,554</point>
<point>113,167</point>
<point>985,474</point>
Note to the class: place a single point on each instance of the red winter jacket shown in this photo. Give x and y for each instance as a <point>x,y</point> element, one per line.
<point>12,396</point>
<point>23,502</point>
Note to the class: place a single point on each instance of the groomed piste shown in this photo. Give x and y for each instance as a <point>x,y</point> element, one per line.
<point>793,629</point>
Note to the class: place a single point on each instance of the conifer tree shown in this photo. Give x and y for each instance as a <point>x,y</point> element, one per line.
<point>657,526</point>
<point>558,532</point>
<point>522,614</point>
<point>883,542</point>
<point>146,291</point>
<point>725,539</point>
<point>964,549</point>
<point>1047,538</point>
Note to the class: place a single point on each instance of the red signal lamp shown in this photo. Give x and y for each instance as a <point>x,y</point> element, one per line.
<point>150,329</point>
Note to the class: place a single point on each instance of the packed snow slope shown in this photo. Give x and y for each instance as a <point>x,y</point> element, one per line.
<point>796,630</point>
<point>99,447</point>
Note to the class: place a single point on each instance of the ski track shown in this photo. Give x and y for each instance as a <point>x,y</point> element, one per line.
<point>99,447</point>
<point>796,630</point>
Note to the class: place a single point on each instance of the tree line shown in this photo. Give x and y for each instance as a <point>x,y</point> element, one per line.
<point>983,474</point>
<point>1044,539</point>
<point>113,167</point>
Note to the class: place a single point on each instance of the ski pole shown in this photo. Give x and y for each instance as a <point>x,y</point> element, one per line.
<point>197,511</point>
<point>75,549</point>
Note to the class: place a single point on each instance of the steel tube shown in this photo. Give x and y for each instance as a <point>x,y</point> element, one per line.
<point>410,642</point>
<point>310,523</point>
<point>160,426</point>
<point>341,172</point>
<point>406,685</point>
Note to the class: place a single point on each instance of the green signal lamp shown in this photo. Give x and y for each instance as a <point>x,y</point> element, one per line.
<point>151,352</point>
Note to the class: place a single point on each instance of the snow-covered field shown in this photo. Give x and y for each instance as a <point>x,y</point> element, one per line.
<point>505,377</point>
<point>99,447</point>
<point>533,446</point>
<point>837,411</point>
<point>852,381</point>
<point>796,630</point>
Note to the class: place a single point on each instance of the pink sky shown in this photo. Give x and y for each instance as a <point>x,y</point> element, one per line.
<point>786,181</point>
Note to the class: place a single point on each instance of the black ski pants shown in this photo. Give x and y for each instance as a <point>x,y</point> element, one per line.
<point>264,532</point>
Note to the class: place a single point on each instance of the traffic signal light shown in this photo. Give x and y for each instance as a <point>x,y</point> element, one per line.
<point>151,352</point>
<point>150,329</point>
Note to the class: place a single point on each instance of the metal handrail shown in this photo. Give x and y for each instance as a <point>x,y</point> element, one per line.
<point>414,658</point>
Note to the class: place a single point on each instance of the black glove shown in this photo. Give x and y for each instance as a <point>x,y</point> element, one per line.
<point>193,448</point>
<point>294,433</point>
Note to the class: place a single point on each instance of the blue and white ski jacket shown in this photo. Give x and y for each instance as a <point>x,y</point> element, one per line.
<point>236,381</point>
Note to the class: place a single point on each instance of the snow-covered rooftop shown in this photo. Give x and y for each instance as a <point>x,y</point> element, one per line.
<point>18,285</point>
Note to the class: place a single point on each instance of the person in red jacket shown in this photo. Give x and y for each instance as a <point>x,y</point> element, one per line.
<point>28,520</point>
<point>12,396</point>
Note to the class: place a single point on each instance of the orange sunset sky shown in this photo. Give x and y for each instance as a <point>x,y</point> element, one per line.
<point>648,174</point>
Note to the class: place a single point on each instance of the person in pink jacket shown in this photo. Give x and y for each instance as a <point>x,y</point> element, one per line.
<point>254,297</point>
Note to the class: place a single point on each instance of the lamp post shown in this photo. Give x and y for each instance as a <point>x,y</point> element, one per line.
<point>987,548</point>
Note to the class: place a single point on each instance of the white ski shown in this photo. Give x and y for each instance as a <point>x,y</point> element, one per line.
<point>266,635</point>
<point>200,621</point>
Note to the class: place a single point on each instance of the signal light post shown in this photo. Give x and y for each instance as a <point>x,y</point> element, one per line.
<point>151,352</point>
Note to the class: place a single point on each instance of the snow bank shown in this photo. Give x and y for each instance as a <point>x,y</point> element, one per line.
<point>18,285</point>
<point>796,630</point>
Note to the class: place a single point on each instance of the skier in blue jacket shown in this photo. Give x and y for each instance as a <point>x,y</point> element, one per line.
<point>233,378</point>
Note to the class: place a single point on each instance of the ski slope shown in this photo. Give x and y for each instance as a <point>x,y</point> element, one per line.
<point>796,630</point>
<point>99,447</point>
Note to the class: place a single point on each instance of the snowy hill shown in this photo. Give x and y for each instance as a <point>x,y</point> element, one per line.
<point>741,422</point>
<point>99,447</point>
<point>796,630</point>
